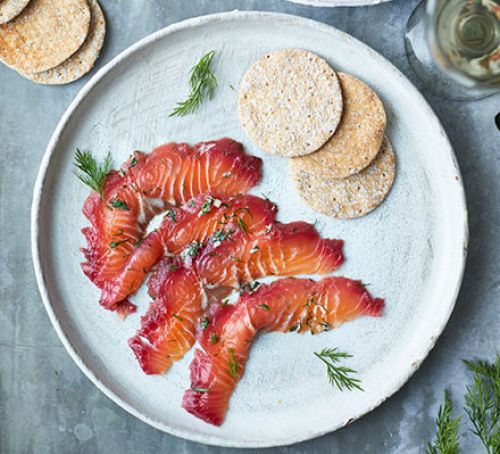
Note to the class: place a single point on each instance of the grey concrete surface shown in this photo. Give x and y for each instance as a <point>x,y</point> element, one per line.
<point>46,403</point>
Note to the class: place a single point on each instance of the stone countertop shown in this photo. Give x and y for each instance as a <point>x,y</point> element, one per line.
<point>48,406</point>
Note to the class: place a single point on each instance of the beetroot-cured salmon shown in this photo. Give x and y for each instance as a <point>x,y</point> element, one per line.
<point>192,224</point>
<point>282,250</point>
<point>168,329</point>
<point>220,219</point>
<point>147,185</point>
<point>175,173</point>
<point>117,225</point>
<point>287,305</point>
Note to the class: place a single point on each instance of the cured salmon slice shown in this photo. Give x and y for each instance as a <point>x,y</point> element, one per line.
<point>176,172</point>
<point>168,329</point>
<point>145,186</point>
<point>192,224</point>
<point>291,304</point>
<point>207,216</point>
<point>116,225</point>
<point>282,250</point>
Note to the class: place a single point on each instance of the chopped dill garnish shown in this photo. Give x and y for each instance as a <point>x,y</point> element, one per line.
<point>115,244</point>
<point>119,204</point>
<point>232,363</point>
<point>192,250</point>
<point>170,213</point>
<point>205,322</point>
<point>214,338</point>
<point>249,287</point>
<point>264,306</point>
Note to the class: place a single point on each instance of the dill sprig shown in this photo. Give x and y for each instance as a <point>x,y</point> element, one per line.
<point>91,173</point>
<point>446,440</point>
<point>338,375</point>
<point>202,82</point>
<point>482,403</point>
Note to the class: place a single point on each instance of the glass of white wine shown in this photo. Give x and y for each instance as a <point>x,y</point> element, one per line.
<point>454,47</point>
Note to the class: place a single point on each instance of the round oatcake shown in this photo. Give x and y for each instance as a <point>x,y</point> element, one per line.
<point>350,197</point>
<point>45,34</point>
<point>358,137</point>
<point>82,61</point>
<point>9,9</point>
<point>290,102</point>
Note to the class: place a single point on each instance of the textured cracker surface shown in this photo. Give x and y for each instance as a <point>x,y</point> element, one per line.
<point>350,197</point>
<point>9,9</point>
<point>358,137</point>
<point>44,35</point>
<point>82,61</point>
<point>290,102</point>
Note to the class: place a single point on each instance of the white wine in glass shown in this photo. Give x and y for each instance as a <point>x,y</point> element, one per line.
<point>454,47</point>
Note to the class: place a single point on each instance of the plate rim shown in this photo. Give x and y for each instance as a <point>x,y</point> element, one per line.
<point>421,353</point>
<point>335,3</point>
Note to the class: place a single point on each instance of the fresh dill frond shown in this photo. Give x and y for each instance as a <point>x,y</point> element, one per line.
<point>446,440</point>
<point>214,338</point>
<point>482,403</point>
<point>338,375</point>
<point>483,368</point>
<point>202,82</point>
<point>207,206</point>
<point>90,172</point>
<point>249,287</point>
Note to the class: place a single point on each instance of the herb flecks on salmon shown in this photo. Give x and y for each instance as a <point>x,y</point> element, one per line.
<point>147,185</point>
<point>183,231</point>
<point>292,305</point>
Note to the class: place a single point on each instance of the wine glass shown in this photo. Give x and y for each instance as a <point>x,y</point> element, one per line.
<point>454,47</point>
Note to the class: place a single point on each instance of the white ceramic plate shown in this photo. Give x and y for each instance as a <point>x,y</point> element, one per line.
<point>411,250</point>
<point>339,2</point>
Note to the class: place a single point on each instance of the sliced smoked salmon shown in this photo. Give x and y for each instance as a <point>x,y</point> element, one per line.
<point>194,223</point>
<point>282,250</point>
<point>168,329</point>
<point>287,305</point>
<point>146,185</point>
